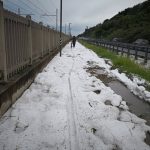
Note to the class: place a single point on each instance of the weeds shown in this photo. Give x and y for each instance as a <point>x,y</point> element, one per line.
<point>123,63</point>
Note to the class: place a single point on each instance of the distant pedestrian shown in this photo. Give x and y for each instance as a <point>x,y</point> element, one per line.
<point>73,43</point>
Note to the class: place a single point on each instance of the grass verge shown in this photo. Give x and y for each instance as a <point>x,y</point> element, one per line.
<point>121,62</point>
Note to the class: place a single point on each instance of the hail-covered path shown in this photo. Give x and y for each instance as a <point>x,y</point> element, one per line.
<point>67,108</point>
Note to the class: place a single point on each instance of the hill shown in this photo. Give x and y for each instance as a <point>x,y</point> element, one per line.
<point>128,25</point>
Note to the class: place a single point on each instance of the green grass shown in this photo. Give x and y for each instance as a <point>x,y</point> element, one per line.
<point>123,63</point>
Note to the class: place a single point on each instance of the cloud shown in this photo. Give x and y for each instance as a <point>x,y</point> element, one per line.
<point>80,13</point>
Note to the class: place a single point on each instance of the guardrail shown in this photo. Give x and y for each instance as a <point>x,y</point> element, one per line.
<point>23,41</point>
<point>128,49</point>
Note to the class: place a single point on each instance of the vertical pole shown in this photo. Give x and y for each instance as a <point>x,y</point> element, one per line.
<point>122,50</point>
<point>60,25</point>
<point>19,11</point>
<point>42,49</point>
<point>65,28</point>
<point>3,67</point>
<point>29,37</point>
<point>128,51</point>
<point>56,28</point>
<point>136,52</point>
<point>56,19</point>
<point>49,45</point>
<point>146,55</point>
<point>113,48</point>
<point>117,48</point>
<point>69,30</point>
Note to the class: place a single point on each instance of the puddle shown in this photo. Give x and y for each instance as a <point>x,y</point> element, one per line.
<point>136,105</point>
<point>147,140</point>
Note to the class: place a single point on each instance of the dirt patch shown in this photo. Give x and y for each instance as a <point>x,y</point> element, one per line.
<point>99,73</point>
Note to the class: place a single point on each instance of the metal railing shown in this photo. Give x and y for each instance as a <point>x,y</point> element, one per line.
<point>124,48</point>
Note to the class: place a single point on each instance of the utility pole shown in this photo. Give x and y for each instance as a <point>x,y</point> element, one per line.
<point>65,28</point>
<point>19,11</point>
<point>60,25</point>
<point>56,19</point>
<point>69,30</point>
<point>56,15</point>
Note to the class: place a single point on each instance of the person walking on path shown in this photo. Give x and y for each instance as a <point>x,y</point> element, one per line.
<point>73,43</point>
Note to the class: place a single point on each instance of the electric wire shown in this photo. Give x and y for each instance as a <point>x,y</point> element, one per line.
<point>36,10</point>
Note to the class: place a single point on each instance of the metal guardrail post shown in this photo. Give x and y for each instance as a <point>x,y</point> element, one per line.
<point>113,48</point>
<point>136,52</point>
<point>126,48</point>
<point>30,37</point>
<point>3,65</point>
<point>146,55</point>
<point>128,51</point>
<point>122,50</point>
<point>117,49</point>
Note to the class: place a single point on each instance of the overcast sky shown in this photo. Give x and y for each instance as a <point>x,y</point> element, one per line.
<point>81,13</point>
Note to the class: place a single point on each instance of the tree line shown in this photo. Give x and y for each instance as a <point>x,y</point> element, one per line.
<point>127,26</point>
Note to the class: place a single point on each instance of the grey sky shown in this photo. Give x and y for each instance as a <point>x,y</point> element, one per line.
<point>80,13</point>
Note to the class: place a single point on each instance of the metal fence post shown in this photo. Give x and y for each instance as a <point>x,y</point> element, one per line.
<point>122,50</point>
<point>146,55</point>
<point>117,49</point>
<point>136,52</point>
<point>113,48</point>
<point>3,66</point>
<point>30,37</point>
<point>128,51</point>
<point>42,48</point>
<point>49,44</point>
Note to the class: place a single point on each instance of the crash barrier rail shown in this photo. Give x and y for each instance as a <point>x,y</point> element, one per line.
<point>23,41</point>
<point>123,48</point>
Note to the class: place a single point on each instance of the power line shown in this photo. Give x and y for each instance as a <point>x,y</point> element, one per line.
<point>53,3</point>
<point>38,11</point>
<point>43,10</point>
<point>28,6</point>
<point>18,6</point>
<point>43,6</point>
<point>36,6</point>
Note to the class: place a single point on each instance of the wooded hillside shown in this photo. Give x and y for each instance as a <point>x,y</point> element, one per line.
<point>128,25</point>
